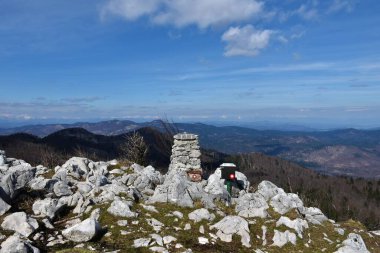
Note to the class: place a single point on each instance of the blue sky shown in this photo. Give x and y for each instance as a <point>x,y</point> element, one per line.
<point>314,62</point>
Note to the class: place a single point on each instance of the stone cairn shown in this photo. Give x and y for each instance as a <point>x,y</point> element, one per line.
<point>186,156</point>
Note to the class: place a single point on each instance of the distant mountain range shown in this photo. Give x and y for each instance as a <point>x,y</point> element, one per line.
<point>340,198</point>
<point>347,151</point>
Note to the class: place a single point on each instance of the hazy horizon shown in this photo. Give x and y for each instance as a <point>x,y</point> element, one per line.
<point>259,124</point>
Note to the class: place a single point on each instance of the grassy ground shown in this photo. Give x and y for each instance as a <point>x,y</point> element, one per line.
<point>189,238</point>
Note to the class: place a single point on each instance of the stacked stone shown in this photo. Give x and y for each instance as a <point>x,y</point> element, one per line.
<point>185,154</point>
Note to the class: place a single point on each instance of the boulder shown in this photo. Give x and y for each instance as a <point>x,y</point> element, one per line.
<point>174,190</point>
<point>17,178</point>
<point>62,189</point>
<point>215,185</point>
<point>47,207</point>
<point>113,190</point>
<point>353,244</point>
<point>84,187</point>
<point>282,238</point>
<point>137,167</point>
<point>77,167</point>
<point>252,205</point>
<point>121,208</point>
<point>71,200</point>
<point>4,207</point>
<point>20,223</point>
<point>231,225</point>
<point>41,183</point>
<point>313,215</point>
<point>242,181</point>
<point>284,202</point>
<point>268,190</point>
<point>201,214</point>
<point>17,244</point>
<point>83,232</point>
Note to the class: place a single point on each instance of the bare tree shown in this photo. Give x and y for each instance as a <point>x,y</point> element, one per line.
<point>135,149</point>
<point>168,130</point>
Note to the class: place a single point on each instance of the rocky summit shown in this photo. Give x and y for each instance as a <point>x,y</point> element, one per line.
<point>88,206</point>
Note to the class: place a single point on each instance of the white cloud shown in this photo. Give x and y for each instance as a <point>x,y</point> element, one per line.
<point>130,9</point>
<point>180,13</point>
<point>245,41</point>
<point>339,5</point>
<point>307,12</point>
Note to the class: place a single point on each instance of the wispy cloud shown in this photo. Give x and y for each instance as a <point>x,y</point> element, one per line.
<point>339,5</point>
<point>82,99</point>
<point>333,67</point>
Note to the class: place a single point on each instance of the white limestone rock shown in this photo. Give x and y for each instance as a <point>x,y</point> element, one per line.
<point>84,187</point>
<point>157,225</point>
<point>4,207</point>
<point>77,167</point>
<point>173,190</point>
<point>264,235</point>
<point>62,189</point>
<point>313,215</point>
<point>121,208</point>
<point>137,168</point>
<point>157,238</point>
<point>297,224</point>
<point>340,231</point>
<point>284,202</point>
<point>201,229</point>
<point>242,180</point>
<point>95,214</point>
<point>21,223</point>
<point>201,214</point>
<point>169,239</point>
<point>282,238</point>
<point>187,226</point>
<point>141,242</point>
<point>353,244</point>
<point>150,208</point>
<point>47,223</point>
<point>230,225</point>
<point>116,171</point>
<point>158,249</point>
<point>82,232</point>
<point>177,214</point>
<point>15,179</point>
<point>268,190</point>
<point>47,207</point>
<point>203,240</point>
<point>215,185</point>
<point>41,183</point>
<point>17,244</point>
<point>252,205</point>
